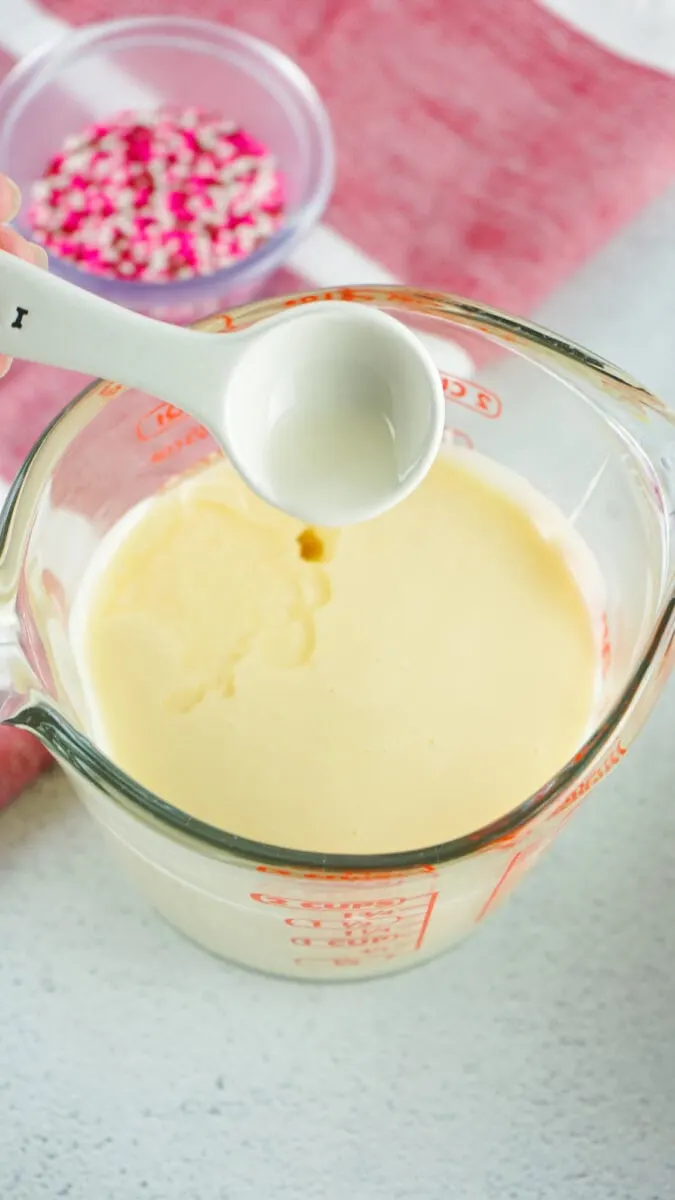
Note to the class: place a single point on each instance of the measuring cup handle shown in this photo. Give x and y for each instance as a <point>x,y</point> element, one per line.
<point>44,319</point>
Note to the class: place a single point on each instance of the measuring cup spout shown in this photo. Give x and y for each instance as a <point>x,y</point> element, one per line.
<point>26,674</point>
<point>7,652</point>
<point>15,675</point>
<point>16,678</point>
<point>9,639</point>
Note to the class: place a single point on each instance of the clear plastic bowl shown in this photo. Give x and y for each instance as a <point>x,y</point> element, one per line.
<point>144,62</point>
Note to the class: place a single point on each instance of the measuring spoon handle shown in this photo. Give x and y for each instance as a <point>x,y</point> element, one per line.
<point>44,319</point>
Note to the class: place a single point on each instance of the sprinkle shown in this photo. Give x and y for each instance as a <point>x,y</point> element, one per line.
<point>158,196</point>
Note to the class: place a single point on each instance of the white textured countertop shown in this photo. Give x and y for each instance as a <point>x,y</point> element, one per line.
<point>537,1062</point>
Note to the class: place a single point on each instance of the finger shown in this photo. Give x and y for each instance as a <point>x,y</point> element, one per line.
<point>5,364</point>
<point>14,243</point>
<point>40,256</point>
<point>10,198</point>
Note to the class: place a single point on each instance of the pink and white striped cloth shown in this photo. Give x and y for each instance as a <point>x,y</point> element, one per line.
<point>484,148</point>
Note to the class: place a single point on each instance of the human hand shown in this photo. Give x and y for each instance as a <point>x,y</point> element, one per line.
<point>12,242</point>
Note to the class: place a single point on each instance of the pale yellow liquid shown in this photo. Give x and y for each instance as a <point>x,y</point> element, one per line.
<point>424,674</point>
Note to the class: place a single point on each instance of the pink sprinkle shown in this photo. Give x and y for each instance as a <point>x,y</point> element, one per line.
<point>160,197</point>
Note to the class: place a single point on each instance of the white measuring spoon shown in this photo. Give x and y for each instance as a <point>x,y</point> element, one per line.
<point>332,411</point>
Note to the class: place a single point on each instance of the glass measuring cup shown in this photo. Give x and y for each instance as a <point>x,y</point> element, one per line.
<point>584,434</point>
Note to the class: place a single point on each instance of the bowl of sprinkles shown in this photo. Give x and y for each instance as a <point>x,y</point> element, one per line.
<point>169,164</point>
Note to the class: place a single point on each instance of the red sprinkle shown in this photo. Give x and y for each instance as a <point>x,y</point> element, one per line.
<point>160,197</point>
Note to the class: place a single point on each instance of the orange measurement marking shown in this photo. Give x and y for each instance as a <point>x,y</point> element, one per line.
<point>612,758</point>
<point>517,860</point>
<point>358,295</point>
<point>562,813</point>
<point>108,390</point>
<point>460,438</point>
<point>470,395</point>
<point>157,420</point>
<point>347,876</point>
<point>426,919</point>
<point>383,927</point>
<point>196,433</point>
<point>295,902</point>
<point>355,295</point>
<point>296,300</point>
